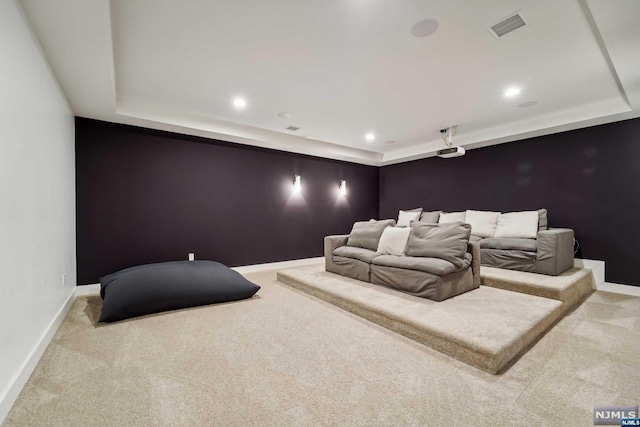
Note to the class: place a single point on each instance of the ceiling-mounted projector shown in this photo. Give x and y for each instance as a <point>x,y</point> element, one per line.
<point>451,150</point>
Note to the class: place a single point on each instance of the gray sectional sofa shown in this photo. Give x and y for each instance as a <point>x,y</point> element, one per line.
<point>546,251</point>
<point>438,255</point>
<point>512,240</point>
<point>438,261</point>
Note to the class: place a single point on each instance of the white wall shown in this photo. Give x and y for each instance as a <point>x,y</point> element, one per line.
<point>37,202</point>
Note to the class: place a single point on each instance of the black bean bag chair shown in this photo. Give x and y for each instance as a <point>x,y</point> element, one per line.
<point>153,288</point>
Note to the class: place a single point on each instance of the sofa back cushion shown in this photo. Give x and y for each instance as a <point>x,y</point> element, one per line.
<point>444,241</point>
<point>430,217</point>
<point>394,241</point>
<point>483,223</point>
<point>405,217</point>
<point>519,225</point>
<point>446,217</point>
<point>366,234</point>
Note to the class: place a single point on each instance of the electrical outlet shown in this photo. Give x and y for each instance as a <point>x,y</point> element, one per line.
<point>192,256</point>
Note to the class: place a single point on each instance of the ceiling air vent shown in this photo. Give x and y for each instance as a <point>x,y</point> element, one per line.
<point>292,128</point>
<point>508,25</point>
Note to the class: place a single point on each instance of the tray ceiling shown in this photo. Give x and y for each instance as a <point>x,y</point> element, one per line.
<point>345,69</point>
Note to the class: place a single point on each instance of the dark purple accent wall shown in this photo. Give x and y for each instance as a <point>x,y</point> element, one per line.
<point>588,179</point>
<point>147,196</point>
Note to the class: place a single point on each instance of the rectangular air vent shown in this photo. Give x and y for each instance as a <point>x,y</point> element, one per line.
<point>508,25</point>
<point>292,128</point>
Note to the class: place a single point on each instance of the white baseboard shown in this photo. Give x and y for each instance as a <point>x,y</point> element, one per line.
<point>275,265</point>
<point>620,289</point>
<point>88,289</point>
<point>596,267</point>
<point>22,376</point>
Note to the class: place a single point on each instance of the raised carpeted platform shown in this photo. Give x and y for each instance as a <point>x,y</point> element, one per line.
<point>486,328</point>
<point>570,287</point>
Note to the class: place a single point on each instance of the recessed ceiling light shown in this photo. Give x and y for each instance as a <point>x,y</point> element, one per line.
<point>239,103</point>
<point>512,91</point>
<point>285,115</point>
<point>425,28</point>
<point>370,136</point>
<point>528,104</point>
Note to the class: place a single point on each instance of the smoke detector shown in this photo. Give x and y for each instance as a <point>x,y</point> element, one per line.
<point>508,25</point>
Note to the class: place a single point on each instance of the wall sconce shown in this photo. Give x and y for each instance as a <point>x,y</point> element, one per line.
<point>343,187</point>
<point>297,185</point>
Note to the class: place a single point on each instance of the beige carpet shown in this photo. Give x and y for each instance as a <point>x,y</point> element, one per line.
<point>486,327</point>
<point>570,287</point>
<point>285,358</point>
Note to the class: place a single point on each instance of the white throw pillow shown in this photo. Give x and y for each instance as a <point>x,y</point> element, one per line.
<point>394,241</point>
<point>483,223</point>
<point>522,225</point>
<point>451,217</point>
<point>405,217</point>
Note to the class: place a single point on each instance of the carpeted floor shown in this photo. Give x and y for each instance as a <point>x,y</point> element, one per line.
<point>286,358</point>
<point>570,287</point>
<point>486,327</point>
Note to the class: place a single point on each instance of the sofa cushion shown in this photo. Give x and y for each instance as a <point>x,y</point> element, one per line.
<point>483,223</point>
<point>430,217</point>
<point>394,241</point>
<point>405,217</point>
<point>366,234</point>
<point>444,241</point>
<point>446,217</point>
<point>436,266</point>
<point>529,245</point>
<point>475,238</point>
<point>509,259</point>
<point>521,225</point>
<point>542,220</point>
<point>356,253</point>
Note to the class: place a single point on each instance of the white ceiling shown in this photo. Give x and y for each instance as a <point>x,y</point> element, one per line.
<point>344,68</point>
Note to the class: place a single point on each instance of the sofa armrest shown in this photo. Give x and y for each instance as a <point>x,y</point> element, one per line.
<point>331,243</point>
<point>474,249</point>
<point>555,251</point>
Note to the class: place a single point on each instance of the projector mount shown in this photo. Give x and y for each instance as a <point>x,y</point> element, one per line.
<point>451,150</point>
<point>447,135</point>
